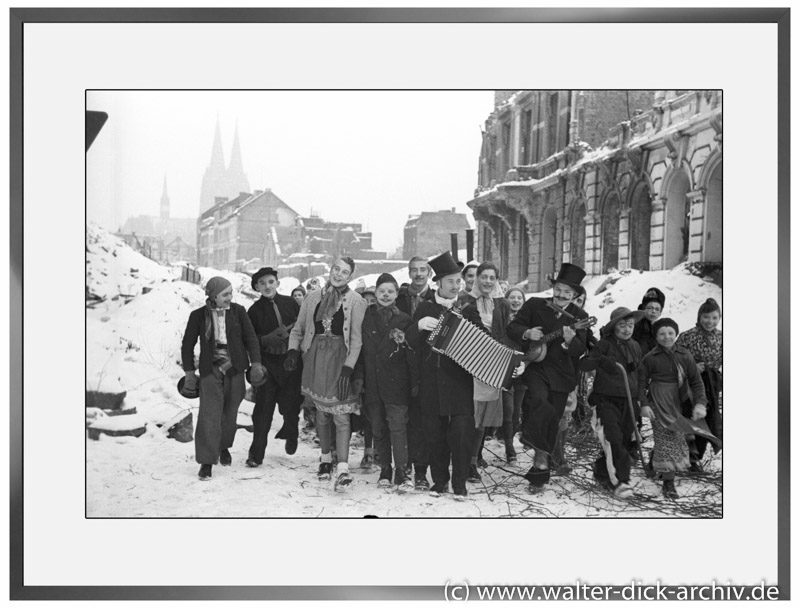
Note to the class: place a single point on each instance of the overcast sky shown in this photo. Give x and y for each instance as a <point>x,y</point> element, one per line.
<point>373,157</point>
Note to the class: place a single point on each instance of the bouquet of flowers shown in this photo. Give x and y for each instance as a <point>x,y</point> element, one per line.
<point>399,336</point>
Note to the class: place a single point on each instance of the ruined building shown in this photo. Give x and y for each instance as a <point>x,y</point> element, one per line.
<point>603,179</point>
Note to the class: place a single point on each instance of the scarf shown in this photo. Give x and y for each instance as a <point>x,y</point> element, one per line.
<point>683,386</point>
<point>210,312</point>
<point>624,346</point>
<point>443,301</point>
<point>331,301</point>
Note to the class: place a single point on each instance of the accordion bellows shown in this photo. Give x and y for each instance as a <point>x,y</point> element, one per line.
<point>477,352</point>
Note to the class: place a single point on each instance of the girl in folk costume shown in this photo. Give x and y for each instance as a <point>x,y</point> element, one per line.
<point>328,334</point>
<point>389,369</point>
<point>227,339</point>
<point>491,312</point>
<point>613,420</point>
<point>704,341</point>
<point>666,371</point>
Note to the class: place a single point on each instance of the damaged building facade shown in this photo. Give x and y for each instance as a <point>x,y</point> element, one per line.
<point>603,179</point>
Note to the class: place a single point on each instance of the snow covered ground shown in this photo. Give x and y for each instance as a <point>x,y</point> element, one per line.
<point>134,331</point>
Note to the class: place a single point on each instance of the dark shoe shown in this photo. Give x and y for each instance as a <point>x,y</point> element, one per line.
<point>385,479</point>
<point>421,482</point>
<point>291,445</point>
<point>437,490</point>
<point>669,489</point>
<point>205,472</point>
<point>511,458</point>
<point>482,463</point>
<point>324,473</point>
<point>367,461</point>
<point>696,467</point>
<point>252,463</point>
<point>474,475</point>
<point>225,458</point>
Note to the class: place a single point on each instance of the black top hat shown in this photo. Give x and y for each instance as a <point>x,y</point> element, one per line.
<point>262,272</point>
<point>187,393</point>
<point>570,274</point>
<point>443,265</point>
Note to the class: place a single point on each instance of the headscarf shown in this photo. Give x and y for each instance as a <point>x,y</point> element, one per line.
<point>710,305</point>
<point>214,287</point>
<point>331,301</point>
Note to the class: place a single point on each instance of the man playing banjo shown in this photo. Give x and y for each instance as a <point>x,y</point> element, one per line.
<point>545,329</point>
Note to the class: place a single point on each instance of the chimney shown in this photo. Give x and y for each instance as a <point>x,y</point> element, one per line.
<point>470,245</point>
<point>454,245</point>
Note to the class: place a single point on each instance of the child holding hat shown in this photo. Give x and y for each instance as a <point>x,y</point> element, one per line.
<point>613,420</point>
<point>227,340</point>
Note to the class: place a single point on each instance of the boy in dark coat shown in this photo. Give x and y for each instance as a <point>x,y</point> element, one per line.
<point>389,370</point>
<point>273,315</point>
<point>550,381</point>
<point>446,388</point>
<point>614,422</point>
<point>226,340</point>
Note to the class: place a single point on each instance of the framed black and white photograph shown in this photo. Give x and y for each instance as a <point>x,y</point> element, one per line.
<point>340,287</point>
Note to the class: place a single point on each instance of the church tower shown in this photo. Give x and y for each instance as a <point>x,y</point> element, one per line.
<point>219,181</point>
<point>164,202</point>
<point>237,180</point>
<point>214,176</point>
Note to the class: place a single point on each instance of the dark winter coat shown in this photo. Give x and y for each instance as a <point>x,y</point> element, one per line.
<point>405,298</point>
<point>390,371</point>
<point>445,387</point>
<point>643,334</point>
<point>613,384</point>
<point>265,322</point>
<point>657,366</point>
<point>558,367</point>
<point>242,340</point>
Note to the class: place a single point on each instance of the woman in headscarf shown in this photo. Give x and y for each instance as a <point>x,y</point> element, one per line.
<point>328,335</point>
<point>491,312</point>
<point>704,341</point>
<point>227,339</point>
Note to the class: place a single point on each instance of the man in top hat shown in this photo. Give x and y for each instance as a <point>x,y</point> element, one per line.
<point>445,393</point>
<point>273,316</point>
<point>550,381</point>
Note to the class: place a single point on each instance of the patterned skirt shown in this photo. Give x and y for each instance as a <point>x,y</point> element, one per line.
<point>671,452</point>
<point>322,365</point>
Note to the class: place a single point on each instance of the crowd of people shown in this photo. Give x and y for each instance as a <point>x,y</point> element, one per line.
<point>365,356</point>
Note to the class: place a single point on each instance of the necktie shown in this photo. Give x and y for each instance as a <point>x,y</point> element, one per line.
<point>277,312</point>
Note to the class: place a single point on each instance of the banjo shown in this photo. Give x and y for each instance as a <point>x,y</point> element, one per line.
<point>537,349</point>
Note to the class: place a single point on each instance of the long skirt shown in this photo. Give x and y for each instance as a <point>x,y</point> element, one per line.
<point>489,413</point>
<point>322,366</point>
<point>670,452</point>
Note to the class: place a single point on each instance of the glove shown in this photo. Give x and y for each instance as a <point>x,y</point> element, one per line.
<point>290,364</point>
<point>192,381</point>
<point>607,364</point>
<point>257,373</point>
<point>646,412</point>
<point>358,386</point>
<point>699,412</point>
<point>344,383</point>
<point>275,338</point>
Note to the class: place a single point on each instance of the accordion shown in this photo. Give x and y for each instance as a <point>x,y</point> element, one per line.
<point>477,352</point>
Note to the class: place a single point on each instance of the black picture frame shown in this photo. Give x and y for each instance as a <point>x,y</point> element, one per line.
<point>19,17</point>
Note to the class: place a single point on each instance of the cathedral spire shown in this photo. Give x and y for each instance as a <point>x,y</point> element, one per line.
<point>217,157</point>
<point>235,176</point>
<point>165,201</point>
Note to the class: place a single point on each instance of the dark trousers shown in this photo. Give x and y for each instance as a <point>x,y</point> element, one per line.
<point>220,397</point>
<point>615,435</point>
<point>389,433</point>
<point>449,438</point>
<point>417,446</point>
<point>540,429</point>
<point>283,388</point>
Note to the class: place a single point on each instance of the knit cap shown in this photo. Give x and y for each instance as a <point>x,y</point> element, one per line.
<point>665,322</point>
